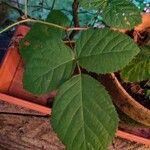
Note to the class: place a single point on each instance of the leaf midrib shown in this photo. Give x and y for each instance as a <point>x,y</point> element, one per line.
<point>81,96</point>
<point>102,54</point>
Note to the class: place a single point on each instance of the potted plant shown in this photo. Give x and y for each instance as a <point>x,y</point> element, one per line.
<point>83,115</point>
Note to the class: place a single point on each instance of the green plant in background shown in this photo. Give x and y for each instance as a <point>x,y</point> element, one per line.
<point>139,68</point>
<point>147,94</point>
<point>83,115</point>
<point>39,9</point>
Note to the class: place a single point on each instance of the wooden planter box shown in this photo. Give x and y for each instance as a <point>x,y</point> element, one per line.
<point>11,71</point>
<point>11,89</point>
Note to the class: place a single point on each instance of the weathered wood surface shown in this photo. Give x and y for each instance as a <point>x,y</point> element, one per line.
<point>12,109</point>
<point>29,132</point>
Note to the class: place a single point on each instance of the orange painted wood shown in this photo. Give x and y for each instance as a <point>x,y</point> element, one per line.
<point>11,60</point>
<point>16,88</point>
<point>132,137</point>
<point>25,104</point>
<point>8,69</point>
<point>47,111</point>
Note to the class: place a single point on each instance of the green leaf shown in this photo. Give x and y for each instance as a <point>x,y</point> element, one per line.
<point>39,33</point>
<point>139,68</point>
<point>58,18</point>
<point>121,14</point>
<point>48,61</point>
<point>94,4</point>
<point>105,51</point>
<point>116,13</point>
<point>48,68</point>
<point>83,115</point>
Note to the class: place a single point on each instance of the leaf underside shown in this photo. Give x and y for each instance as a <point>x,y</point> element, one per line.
<point>83,115</point>
<point>139,68</point>
<point>105,51</point>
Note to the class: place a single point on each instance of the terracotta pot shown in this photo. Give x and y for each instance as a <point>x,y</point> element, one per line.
<point>124,101</point>
<point>145,22</point>
<point>11,72</point>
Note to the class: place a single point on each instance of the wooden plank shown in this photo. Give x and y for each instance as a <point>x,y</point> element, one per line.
<point>14,109</point>
<point>35,133</point>
<point>27,133</point>
<point>31,131</point>
<point>120,144</point>
<point>25,104</point>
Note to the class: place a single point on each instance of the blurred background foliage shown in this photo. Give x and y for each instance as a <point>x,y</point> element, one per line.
<point>12,10</point>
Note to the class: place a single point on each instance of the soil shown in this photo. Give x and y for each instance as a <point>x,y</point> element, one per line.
<point>137,90</point>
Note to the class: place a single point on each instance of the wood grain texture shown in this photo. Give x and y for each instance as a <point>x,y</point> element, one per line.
<point>14,109</point>
<point>27,133</point>
<point>24,132</point>
<point>120,144</point>
<point>34,133</point>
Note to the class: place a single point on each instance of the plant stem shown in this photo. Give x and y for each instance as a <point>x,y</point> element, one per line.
<point>79,69</point>
<point>32,20</point>
<point>14,24</point>
<point>75,18</point>
<point>72,46</point>
<point>45,23</point>
<point>49,24</point>
<point>26,8</point>
<point>53,4</point>
<point>77,29</point>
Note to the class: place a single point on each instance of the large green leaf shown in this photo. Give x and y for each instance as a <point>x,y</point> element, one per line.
<point>105,51</point>
<point>39,33</point>
<point>48,61</point>
<point>116,13</point>
<point>48,68</point>
<point>83,115</point>
<point>139,68</point>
